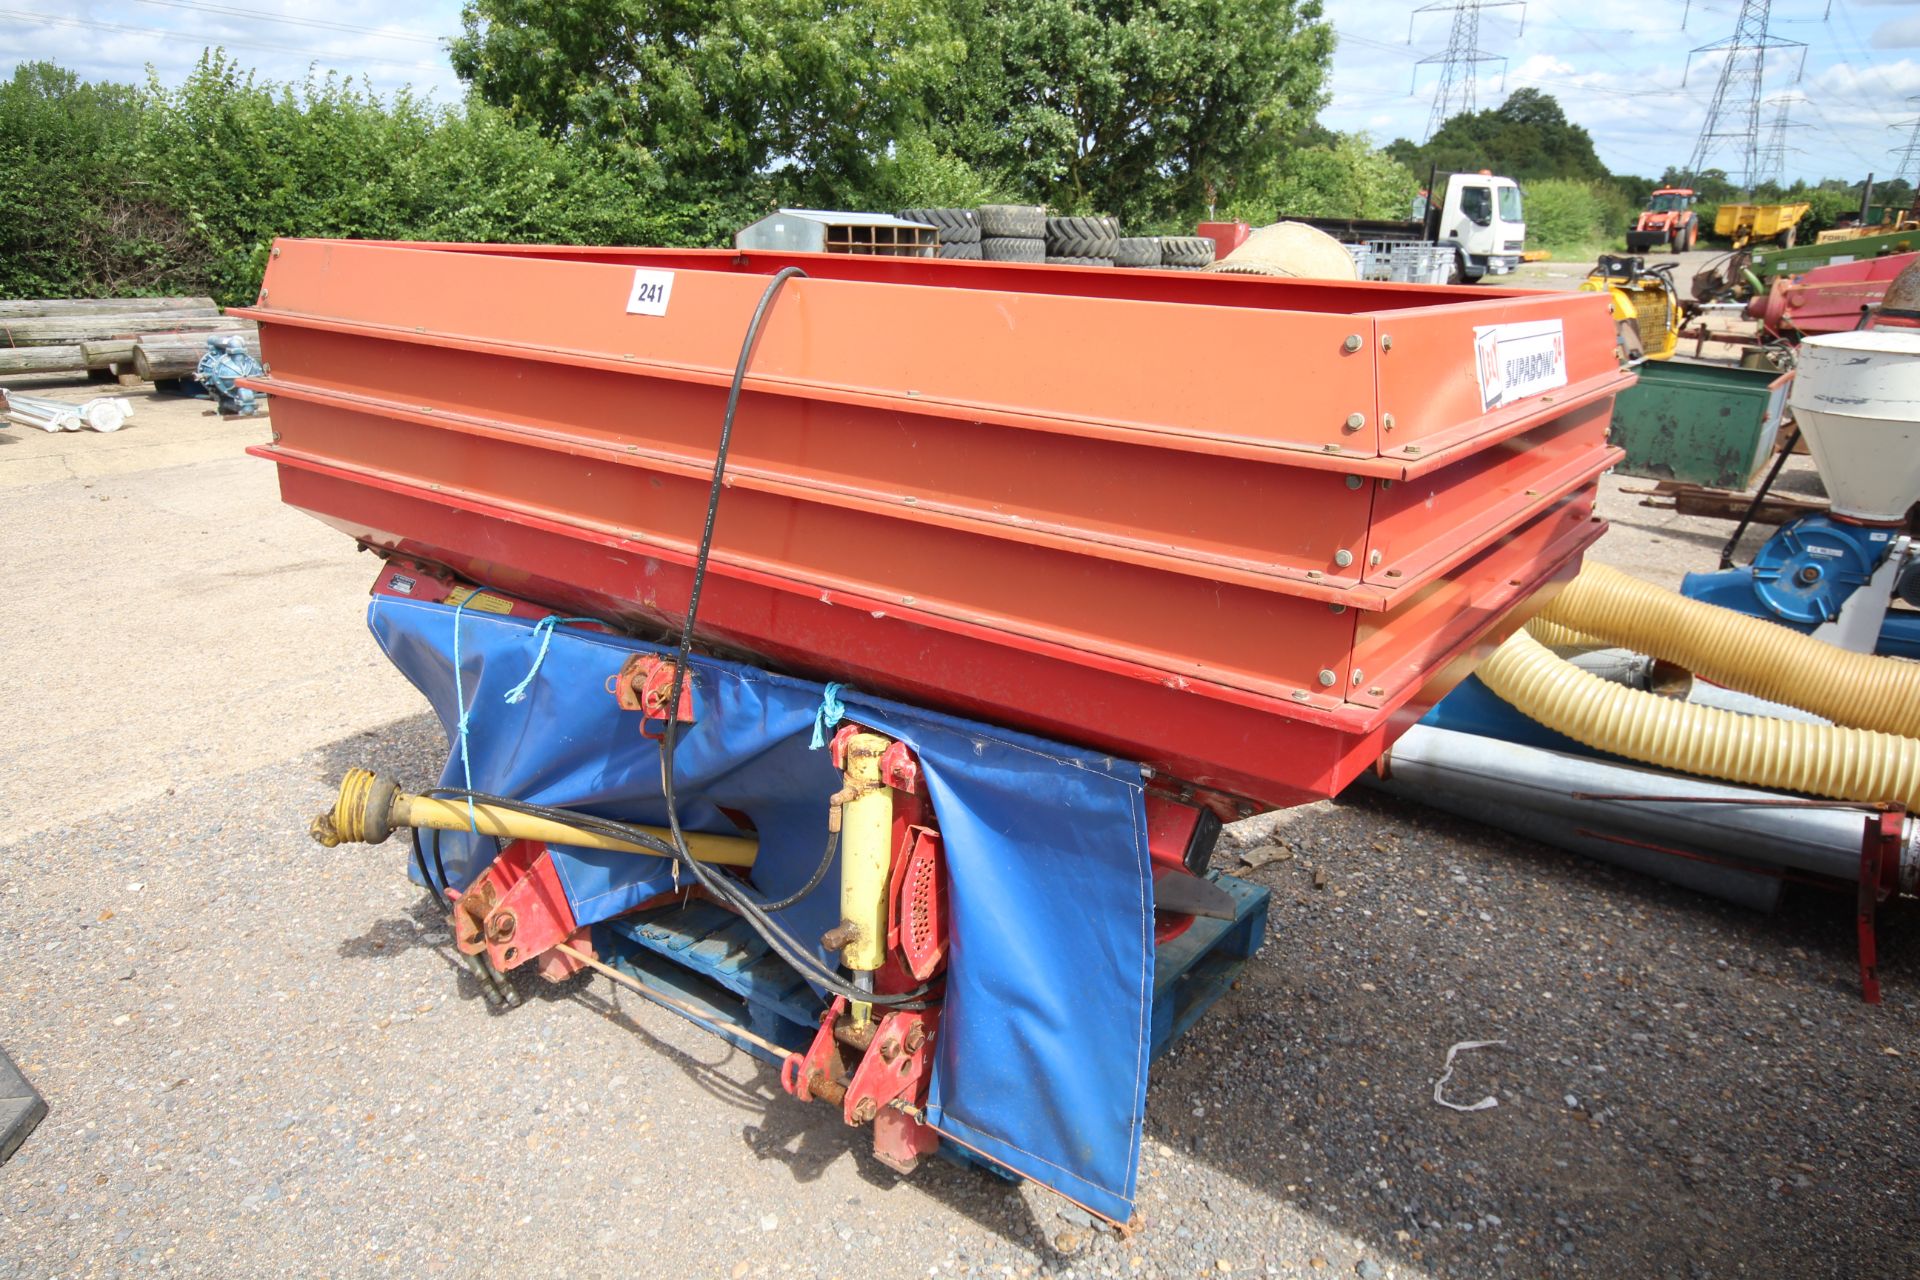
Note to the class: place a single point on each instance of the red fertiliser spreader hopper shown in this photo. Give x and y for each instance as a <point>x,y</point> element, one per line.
<point>1198,545</point>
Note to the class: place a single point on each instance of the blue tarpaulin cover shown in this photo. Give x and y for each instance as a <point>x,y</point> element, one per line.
<point>1043,1048</point>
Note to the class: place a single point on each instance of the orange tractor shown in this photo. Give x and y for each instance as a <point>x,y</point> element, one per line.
<point>1668,220</point>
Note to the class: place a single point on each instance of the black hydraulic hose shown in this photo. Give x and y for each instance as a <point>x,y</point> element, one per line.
<point>721,887</point>
<point>819,874</point>
<point>438,891</point>
<point>783,943</point>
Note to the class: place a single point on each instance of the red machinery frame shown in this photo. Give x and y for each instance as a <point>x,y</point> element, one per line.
<point>1241,530</point>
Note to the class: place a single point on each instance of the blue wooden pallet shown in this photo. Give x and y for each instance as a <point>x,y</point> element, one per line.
<point>1195,969</point>
<point>713,959</point>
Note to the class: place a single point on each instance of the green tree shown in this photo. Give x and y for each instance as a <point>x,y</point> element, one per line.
<point>717,99</point>
<point>79,217</point>
<point>1527,136</point>
<point>1151,109</point>
<point>1342,177</point>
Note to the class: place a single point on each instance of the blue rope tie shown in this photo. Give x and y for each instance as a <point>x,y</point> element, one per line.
<point>460,702</point>
<point>828,715</point>
<point>543,629</point>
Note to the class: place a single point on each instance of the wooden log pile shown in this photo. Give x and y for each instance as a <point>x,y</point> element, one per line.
<point>159,356</point>
<point>148,338</point>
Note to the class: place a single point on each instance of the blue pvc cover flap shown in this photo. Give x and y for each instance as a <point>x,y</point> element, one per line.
<point>1042,1056</point>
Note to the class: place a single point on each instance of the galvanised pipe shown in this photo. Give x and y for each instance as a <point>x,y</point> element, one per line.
<point>1443,768</point>
<point>1705,872</point>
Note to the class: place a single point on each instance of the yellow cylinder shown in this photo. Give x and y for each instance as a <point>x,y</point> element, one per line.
<point>866,838</point>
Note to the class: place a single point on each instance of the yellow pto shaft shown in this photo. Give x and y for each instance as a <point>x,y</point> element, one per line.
<point>372,807</point>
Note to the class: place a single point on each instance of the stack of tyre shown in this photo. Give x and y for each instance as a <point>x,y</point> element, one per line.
<point>959,230</point>
<point>1024,233</point>
<point>1013,232</point>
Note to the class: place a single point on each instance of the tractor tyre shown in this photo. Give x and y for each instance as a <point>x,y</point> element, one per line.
<point>1082,237</point>
<point>961,252</point>
<point>1186,251</point>
<point>1136,251</point>
<point>1012,222</point>
<point>956,226</point>
<point>1013,249</point>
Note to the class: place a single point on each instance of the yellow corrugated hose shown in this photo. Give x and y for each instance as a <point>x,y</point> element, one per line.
<point>1783,755</point>
<point>1750,654</point>
<point>1555,636</point>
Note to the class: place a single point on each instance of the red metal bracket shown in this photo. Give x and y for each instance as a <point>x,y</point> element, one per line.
<point>900,1141</point>
<point>917,903</point>
<point>899,770</point>
<point>816,1073</point>
<point>1879,865</point>
<point>644,684</point>
<point>895,1065</point>
<point>516,910</point>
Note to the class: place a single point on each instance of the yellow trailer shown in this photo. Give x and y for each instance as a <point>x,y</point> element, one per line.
<point>1745,223</point>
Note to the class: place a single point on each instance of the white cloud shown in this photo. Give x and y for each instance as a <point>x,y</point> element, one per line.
<point>388,45</point>
<point>1901,33</point>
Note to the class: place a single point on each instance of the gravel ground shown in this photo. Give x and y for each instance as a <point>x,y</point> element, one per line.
<point>262,1060</point>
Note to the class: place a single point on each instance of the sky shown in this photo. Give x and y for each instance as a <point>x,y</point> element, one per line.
<point>1616,67</point>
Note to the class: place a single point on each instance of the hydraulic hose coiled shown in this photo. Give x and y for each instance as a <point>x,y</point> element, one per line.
<point>1749,654</point>
<point>1784,755</point>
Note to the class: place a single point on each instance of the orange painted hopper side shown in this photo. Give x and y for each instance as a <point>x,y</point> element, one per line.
<point>1239,529</point>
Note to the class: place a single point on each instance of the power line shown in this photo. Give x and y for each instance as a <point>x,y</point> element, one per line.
<point>288,20</point>
<point>1838,135</point>
<point>1454,95</point>
<point>1773,152</point>
<point>1734,115</point>
<point>51,20</point>
<point>1909,155</point>
<point>1860,54</point>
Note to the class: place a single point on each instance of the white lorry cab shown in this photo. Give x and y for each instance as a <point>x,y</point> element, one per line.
<point>1483,217</point>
